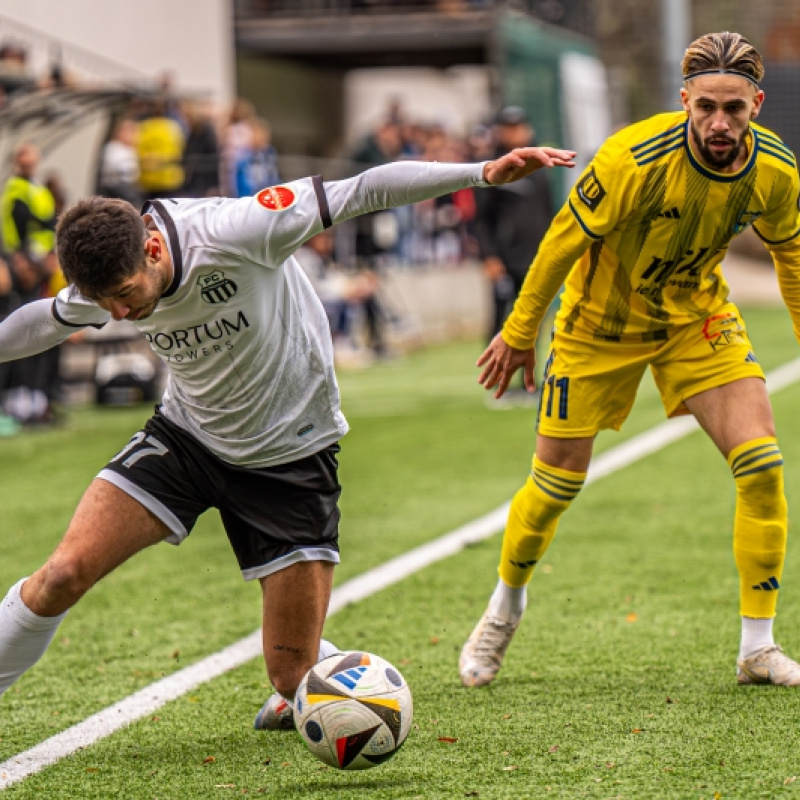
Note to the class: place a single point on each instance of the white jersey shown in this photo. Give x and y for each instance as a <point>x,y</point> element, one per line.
<point>243,335</point>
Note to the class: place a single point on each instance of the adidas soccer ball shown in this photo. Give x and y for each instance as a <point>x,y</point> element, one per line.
<point>353,710</point>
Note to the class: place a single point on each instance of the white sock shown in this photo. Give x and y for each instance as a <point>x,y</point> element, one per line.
<point>756,633</point>
<point>326,649</point>
<point>24,636</point>
<point>507,602</point>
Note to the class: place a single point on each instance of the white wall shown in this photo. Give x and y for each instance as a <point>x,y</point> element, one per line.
<point>193,39</point>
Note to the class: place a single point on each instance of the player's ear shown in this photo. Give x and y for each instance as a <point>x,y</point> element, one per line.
<point>758,99</point>
<point>685,99</point>
<point>152,248</point>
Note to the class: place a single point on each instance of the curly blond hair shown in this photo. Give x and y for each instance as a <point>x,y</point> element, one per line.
<point>724,52</point>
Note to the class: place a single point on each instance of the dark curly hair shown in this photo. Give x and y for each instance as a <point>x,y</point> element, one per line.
<point>99,242</point>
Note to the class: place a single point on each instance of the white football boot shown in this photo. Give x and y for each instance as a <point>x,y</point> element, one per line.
<point>482,655</point>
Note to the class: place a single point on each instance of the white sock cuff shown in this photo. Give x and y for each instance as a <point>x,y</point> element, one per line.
<point>326,649</point>
<point>22,615</point>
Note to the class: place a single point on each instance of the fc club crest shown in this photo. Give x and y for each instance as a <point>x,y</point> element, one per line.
<point>216,288</point>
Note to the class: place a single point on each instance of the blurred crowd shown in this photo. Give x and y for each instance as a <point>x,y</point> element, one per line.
<point>164,145</point>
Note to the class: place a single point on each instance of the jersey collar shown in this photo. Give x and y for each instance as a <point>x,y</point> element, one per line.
<point>174,244</point>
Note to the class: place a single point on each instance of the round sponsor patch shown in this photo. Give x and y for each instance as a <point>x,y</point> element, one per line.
<point>276,198</point>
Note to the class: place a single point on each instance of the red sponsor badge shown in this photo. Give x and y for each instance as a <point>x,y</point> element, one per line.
<point>276,198</point>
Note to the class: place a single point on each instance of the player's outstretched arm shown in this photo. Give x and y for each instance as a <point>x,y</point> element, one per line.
<point>31,329</point>
<point>523,160</point>
<point>403,183</point>
<point>500,361</point>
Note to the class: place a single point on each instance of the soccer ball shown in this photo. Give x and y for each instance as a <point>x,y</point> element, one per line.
<point>353,710</point>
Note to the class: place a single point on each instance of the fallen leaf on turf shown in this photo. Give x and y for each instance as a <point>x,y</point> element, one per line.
<point>637,730</point>
<point>790,780</point>
<point>506,716</point>
<point>553,749</point>
<point>610,765</point>
<point>176,654</point>
<point>433,640</point>
<point>224,785</point>
<point>510,768</point>
<point>209,760</point>
<point>717,796</point>
<point>92,769</point>
<point>471,794</point>
<point>632,617</point>
<point>448,739</point>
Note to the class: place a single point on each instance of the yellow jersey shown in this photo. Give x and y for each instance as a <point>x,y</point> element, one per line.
<point>639,242</point>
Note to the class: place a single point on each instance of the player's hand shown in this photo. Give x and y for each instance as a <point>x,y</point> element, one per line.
<point>500,361</point>
<point>521,161</point>
<point>494,268</point>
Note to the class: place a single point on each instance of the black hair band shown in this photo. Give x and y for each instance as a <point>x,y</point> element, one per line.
<point>736,72</point>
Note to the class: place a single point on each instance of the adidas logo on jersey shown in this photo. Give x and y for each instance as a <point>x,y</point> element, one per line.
<point>670,213</point>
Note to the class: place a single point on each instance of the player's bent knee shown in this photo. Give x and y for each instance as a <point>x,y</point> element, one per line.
<point>546,494</point>
<point>757,468</point>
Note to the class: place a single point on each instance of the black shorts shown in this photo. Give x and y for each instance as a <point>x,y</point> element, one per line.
<point>274,516</point>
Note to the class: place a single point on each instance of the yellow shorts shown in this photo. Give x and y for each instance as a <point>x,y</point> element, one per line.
<point>589,386</point>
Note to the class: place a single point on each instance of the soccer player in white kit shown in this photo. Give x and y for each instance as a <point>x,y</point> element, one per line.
<point>250,418</point>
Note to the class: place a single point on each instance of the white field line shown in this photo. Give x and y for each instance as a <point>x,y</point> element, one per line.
<point>151,698</point>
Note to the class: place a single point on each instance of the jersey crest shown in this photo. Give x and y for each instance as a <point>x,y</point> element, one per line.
<point>745,219</point>
<point>216,288</point>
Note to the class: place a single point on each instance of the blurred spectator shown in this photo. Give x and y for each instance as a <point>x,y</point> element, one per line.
<point>55,185</point>
<point>201,154</point>
<point>349,297</point>
<point>236,138</point>
<point>257,164</point>
<point>510,224</point>
<point>783,37</point>
<point>8,425</point>
<point>27,220</point>
<point>14,68</point>
<point>172,107</point>
<point>160,150</point>
<point>380,146</point>
<point>119,164</point>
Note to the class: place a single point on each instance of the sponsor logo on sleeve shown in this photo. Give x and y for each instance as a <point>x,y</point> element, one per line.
<point>276,198</point>
<point>590,190</point>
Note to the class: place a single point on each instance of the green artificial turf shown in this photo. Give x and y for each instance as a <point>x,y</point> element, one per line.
<point>620,682</point>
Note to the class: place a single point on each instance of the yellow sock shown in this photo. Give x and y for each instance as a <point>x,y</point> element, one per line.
<point>759,528</point>
<point>533,519</point>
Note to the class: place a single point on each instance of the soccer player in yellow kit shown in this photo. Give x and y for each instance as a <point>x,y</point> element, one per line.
<point>638,246</point>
